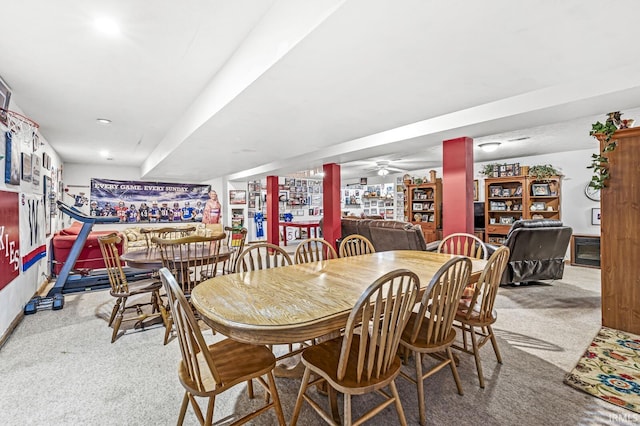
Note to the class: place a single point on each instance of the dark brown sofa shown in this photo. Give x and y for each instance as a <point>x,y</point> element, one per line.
<point>386,234</point>
<point>538,247</point>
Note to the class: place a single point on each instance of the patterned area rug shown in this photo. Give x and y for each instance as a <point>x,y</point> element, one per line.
<point>610,369</point>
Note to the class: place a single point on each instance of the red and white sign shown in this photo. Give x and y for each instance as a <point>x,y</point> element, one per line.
<point>9,237</point>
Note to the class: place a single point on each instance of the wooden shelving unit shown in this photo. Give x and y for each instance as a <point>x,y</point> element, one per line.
<point>518,197</point>
<point>423,206</point>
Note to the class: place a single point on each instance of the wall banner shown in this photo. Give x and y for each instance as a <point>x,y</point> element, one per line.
<point>9,238</point>
<point>33,230</point>
<point>135,201</point>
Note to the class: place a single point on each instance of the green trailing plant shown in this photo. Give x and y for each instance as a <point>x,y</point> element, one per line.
<point>543,171</point>
<point>488,169</point>
<point>599,162</point>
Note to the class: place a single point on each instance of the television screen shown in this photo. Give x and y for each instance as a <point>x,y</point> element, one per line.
<point>478,215</point>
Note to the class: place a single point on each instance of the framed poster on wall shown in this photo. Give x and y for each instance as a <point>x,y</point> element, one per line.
<point>12,160</point>
<point>27,168</point>
<point>138,201</point>
<point>237,197</point>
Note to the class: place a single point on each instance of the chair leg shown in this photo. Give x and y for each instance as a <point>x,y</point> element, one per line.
<point>420,386</point>
<point>168,328</point>
<point>396,396</point>
<point>116,306</point>
<point>118,321</point>
<point>454,370</point>
<point>250,388</point>
<point>183,408</point>
<point>303,389</point>
<point>154,302</point>
<point>494,343</point>
<point>476,355</point>
<point>347,410</point>
<point>196,408</point>
<point>164,314</point>
<point>464,336</point>
<point>210,407</point>
<point>333,403</point>
<point>276,399</point>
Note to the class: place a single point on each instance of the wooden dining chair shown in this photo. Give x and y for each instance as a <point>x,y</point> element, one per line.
<point>430,330</point>
<point>122,290</point>
<point>464,245</point>
<point>236,239</point>
<point>364,359</point>
<point>476,315</point>
<point>191,259</point>
<point>209,370</point>
<point>314,249</point>
<point>262,256</point>
<point>354,245</point>
<point>166,233</point>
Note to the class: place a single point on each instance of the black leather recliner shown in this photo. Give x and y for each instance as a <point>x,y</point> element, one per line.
<point>538,247</point>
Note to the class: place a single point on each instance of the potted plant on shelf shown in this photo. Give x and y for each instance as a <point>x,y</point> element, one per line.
<point>599,162</point>
<point>488,169</point>
<point>543,171</point>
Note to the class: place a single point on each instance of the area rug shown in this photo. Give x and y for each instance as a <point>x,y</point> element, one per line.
<point>610,369</point>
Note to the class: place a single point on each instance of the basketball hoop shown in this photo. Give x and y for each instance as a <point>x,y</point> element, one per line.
<point>23,128</point>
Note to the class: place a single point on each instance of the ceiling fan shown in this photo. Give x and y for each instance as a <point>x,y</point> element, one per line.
<point>383,168</point>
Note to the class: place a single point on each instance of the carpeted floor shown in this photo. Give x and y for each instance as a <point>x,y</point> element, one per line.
<point>610,369</point>
<point>60,368</point>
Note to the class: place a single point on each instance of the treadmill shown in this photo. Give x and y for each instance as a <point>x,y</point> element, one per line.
<point>67,282</point>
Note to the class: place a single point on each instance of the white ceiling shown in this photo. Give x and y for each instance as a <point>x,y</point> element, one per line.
<point>200,89</point>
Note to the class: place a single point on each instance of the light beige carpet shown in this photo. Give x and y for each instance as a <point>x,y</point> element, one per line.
<point>59,368</point>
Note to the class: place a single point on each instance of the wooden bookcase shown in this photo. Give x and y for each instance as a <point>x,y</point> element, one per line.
<point>423,206</point>
<point>518,197</point>
<point>619,235</point>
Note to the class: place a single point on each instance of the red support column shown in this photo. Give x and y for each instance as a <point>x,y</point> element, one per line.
<point>457,186</point>
<point>331,203</point>
<point>273,213</point>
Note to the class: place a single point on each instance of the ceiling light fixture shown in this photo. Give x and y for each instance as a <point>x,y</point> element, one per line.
<point>104,153</point>
<point>383,172</point>
<point>489,146</point>
<point>103,121</point>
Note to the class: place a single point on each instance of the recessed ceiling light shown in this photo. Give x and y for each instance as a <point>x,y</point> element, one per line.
<point>103,120</point>
<point>107,26</point>
<point>489,146</point>
<point>104,153</point>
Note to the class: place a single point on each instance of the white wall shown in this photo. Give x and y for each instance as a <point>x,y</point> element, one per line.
<point>17,293</point>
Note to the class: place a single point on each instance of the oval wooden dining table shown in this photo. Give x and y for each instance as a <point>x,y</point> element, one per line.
<point>151,258</point>
<point>295,303</point>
